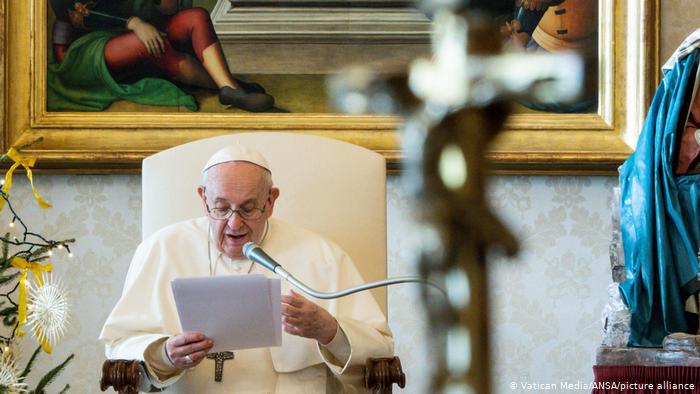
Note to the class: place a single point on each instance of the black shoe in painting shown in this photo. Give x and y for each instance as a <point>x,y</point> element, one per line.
<point>250,87</point>
<point>251,102</point>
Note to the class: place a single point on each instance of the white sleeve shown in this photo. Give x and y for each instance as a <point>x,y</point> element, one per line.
<point>144,312</point>
<point>362,323</point>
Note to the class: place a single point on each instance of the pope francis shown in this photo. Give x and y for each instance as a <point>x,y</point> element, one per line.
<point>324,343</point>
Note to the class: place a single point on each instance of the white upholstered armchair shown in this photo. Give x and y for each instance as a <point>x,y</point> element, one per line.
<point>331,187</point>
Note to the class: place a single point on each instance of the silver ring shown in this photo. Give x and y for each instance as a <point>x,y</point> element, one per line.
<point>188,360</point>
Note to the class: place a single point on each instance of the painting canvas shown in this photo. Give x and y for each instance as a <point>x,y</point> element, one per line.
<point>219,56</point>
<point>554,26</point>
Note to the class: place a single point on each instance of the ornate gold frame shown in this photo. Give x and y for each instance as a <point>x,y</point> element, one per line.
<point>532,143</point>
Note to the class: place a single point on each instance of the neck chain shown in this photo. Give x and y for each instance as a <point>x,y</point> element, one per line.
<point>212,264</point>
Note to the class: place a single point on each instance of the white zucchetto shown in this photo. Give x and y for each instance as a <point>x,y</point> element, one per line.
<point>236,152</point>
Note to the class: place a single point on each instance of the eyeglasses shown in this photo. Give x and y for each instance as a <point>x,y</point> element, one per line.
<point>246,213</point>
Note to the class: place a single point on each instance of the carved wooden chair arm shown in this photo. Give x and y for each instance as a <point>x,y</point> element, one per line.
<point>382,373</point>
<point>130,376</point>
<point>125,376</point>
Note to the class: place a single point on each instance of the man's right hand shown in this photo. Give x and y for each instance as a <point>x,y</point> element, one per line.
<point>188,349</point>
<point>148,34</point>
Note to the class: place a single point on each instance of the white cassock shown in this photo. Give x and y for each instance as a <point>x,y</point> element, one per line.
<point>146,313</point>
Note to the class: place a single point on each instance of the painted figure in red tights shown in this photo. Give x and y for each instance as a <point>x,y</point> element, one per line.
<point>105,50</point>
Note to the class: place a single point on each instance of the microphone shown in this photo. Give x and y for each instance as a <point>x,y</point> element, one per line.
<point>254,252</point>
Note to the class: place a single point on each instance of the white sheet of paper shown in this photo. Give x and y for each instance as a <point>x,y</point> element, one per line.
<point>236,311</point>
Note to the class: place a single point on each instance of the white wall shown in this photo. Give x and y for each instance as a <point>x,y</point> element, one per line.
<point>545,303</point>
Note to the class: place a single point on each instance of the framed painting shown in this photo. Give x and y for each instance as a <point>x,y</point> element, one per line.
<point>597,140</point>
<point>117,135</point>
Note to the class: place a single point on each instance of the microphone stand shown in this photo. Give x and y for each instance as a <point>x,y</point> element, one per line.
<point>254,252</point>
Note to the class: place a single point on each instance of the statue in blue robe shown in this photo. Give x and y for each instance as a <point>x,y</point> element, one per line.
<point>660,215</point>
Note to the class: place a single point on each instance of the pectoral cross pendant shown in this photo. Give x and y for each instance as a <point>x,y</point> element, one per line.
<point>219,359</point>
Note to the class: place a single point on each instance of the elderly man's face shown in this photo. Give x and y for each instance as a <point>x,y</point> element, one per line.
<point>237,185</point>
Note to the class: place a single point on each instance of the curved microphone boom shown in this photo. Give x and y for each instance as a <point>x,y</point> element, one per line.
<point>254,252</point>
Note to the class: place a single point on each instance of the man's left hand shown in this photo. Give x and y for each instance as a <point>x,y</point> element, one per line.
<point>303,318</point>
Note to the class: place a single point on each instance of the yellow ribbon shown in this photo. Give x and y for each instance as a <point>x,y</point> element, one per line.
<point>43,340</point>
<point>27,163</point>
<point>36,269</point>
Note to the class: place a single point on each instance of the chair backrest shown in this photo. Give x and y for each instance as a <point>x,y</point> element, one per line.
<point>331,187</point>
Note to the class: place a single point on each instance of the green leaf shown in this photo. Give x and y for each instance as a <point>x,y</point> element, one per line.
<point>6,252</point>
<point>28,368</point>
<point>5,279</point>
<point>10,310</point>
<point>51,375</point>
<point>9,315</point>
<point>9,320</point>
<point>38,257</point>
